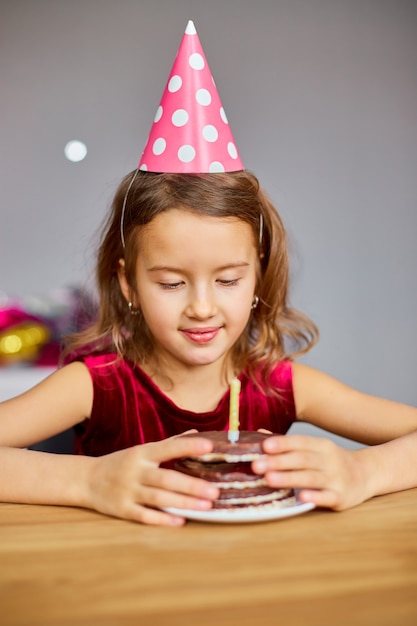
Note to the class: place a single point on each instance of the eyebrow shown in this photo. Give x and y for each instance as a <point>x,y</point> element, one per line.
<point>167,268</point>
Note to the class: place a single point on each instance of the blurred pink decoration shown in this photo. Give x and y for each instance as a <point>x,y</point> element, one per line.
<point>32,328</point>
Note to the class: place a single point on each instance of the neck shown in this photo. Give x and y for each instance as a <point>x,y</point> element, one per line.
<point>196,388</point>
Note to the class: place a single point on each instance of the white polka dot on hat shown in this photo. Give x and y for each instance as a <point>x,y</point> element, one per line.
<point>190,132</point>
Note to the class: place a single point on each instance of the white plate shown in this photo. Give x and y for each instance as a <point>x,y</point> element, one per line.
<point>244,515</point>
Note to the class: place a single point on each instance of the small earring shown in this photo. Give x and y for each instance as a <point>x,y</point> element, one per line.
<point>132,311</point>
<point>255,302</point>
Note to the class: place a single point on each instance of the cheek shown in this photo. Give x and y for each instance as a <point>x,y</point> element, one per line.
<point>157,309</point>
<point>239,309</point>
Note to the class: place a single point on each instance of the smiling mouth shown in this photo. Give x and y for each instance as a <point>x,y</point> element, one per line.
<point>201,335</point>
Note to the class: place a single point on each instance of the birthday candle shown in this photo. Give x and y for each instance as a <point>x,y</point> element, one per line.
<point>233,434</point>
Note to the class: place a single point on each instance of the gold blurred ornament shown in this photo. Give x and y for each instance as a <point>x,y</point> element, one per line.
<point>22,343</point>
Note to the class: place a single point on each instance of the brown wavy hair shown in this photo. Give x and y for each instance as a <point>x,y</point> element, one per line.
<point>275,331</point>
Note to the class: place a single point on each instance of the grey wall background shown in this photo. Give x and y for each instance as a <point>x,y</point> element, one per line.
<point>322,99</point>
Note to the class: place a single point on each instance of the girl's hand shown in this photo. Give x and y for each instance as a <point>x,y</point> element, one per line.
<point>326,474</point>
<point>131,485</point>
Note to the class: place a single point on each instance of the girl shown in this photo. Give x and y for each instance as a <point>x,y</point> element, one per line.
<point>192,275</point>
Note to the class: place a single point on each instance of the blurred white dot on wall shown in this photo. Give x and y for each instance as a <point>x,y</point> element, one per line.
<point>75,150</point>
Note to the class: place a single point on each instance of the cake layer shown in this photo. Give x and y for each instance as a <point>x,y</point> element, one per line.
<point>282,497</point>
<point>229,467</point>
<point>247,448</point>
<point>218,471</point>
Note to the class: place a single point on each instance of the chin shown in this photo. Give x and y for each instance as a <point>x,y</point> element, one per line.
<point>204,359</point>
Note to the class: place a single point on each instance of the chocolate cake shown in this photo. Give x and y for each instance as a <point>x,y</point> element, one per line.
<point>228,466</point>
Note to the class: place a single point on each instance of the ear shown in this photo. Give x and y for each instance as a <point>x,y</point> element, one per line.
<point>124,285</point>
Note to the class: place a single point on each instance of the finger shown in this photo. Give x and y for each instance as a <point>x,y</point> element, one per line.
<point>264,431</point>
<point>305,459</point>
<point>322,498</point>
<point>176,447</point>
<point>154,517</point>
<point>176,482</point>
<point>161,499</point>
<point>288,443</point>
<point>298,479</point>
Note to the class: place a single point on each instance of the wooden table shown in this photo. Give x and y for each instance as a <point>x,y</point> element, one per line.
<point>66,567</point>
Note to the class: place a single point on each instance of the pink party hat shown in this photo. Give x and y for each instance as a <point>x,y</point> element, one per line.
<point>190,133</point>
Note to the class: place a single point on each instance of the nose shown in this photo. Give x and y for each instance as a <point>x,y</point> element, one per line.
<point>202,304</point>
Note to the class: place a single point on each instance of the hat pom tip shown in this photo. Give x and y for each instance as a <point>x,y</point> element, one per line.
<point>190,28</point>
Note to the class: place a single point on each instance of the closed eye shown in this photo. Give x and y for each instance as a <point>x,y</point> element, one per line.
<point>171,285</point>
<point>229,283</point>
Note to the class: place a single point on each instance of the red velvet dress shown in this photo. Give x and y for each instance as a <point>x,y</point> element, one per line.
<point>129,408</point>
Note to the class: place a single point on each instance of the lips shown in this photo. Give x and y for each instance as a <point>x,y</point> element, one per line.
<point>200,335</point>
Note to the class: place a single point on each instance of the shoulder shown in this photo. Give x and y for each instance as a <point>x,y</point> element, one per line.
<point>279,378</point>
<point>319,396</point>
<point>111,374</point>
<point>278,384</point>
<point>309,379</point>
<point>63,382</point>
<point>57,403</point>
<point>283,370</point>
<point>98,360</point>
<point>311,386</point>
<point>105,365</point>
<point>75,373</point>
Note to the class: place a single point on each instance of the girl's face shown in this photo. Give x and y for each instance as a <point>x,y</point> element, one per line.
<point>195,282</point>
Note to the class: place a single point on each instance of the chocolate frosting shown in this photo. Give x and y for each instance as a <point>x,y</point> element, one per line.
<point>248,447</point>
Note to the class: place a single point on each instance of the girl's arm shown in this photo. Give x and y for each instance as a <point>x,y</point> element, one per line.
<point>129,483</point>
<point>329,475</point>
<point>329,404</point>
<point>56,404</point>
